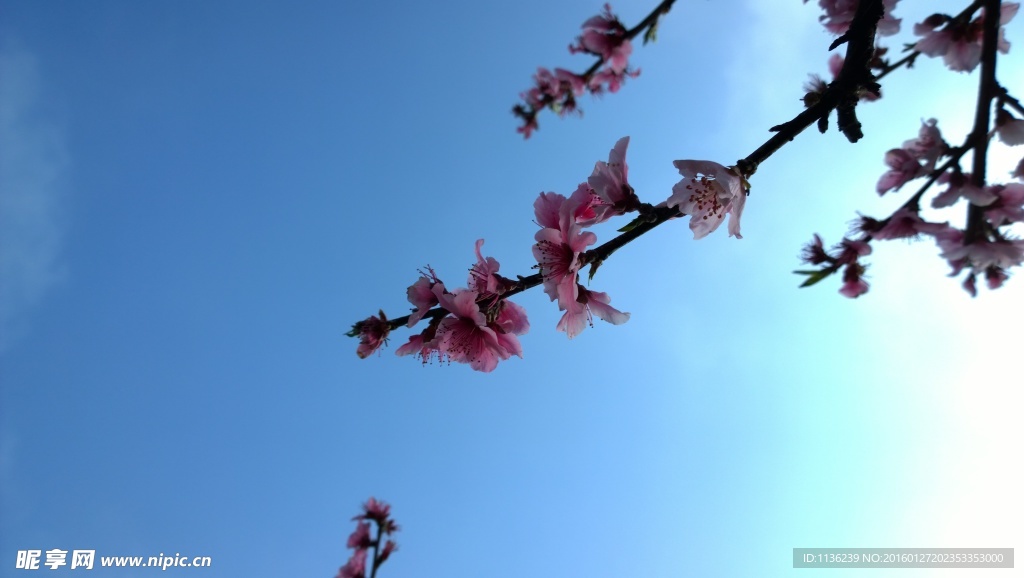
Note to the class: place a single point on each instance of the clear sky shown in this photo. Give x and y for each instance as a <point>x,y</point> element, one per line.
<point>200,198</point>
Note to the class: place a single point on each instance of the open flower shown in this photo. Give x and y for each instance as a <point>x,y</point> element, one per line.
<point>470,336</point>
<point>981,254</point>
<point>708,192</point>
<point>580,313</point>
<point>483,276</point>
<point>605,36</point>
<point>906,224</point>
<point>854,284</point>
<point>421,295</point>
<point>558,253</point>
<point>839,15</point>
<point>1008,207</point>
<point>610,183</point>
<point>903,167</point>
<point>959,43</point>
<point>915,159</point>
<point>960,187</point>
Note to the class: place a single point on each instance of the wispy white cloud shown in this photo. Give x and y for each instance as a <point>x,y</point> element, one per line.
<point>33,168</point>
<point>778,44</point>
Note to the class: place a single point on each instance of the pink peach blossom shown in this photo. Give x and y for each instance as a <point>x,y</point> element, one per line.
<point>854,284</point>
<point>558,253</point>
<point>960,187</point>
<point>904,167</point>
<point>1008,207</point>
<point>546,209</point>
<point>373,332</point>
<point>355,567</point>
<point>610,181</point>
<point>814,252</point>
<point>995,277</point>
<point>466,336</point>
<point>418,345</point>
<point>610,80</point>
<point>375,510</point>
<point>585,208</point>
<point>929,145</point>
<point>906,224</point>
<point>605,36</point>
<point>839,15</point>
<point>421,295</point>
<point>580,313</point>
<point>483,275</point>
<point>361,537</point>
<point>385,553</point>
<point>983,253</point>
<point>851,250</point>
<point>970,284</point>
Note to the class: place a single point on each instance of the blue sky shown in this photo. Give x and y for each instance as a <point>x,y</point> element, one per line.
<point>199,199</point>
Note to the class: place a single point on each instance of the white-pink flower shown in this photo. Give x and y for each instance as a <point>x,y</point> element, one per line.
<point>929,145</point>
<point>707,193</point>
<point>906,224</point>
<point>903,167</point>
<point>839,15</point>
<point>960,44</point>
<point>980,254</point>
<point>960,187</point>
<point>1008,207</point>
<point>1010,128</point>
<point>916,159</point>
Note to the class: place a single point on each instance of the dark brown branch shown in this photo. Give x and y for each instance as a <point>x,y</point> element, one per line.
<point>842,94</point>
<point>988,88</point>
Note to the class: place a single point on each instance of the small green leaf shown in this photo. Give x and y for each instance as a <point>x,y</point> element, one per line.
<point>814,276</point>
<point>652,33</point>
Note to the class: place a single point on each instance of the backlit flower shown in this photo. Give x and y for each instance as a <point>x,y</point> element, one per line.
<point>373,332</point>
<point>610,182</point>
<point>467,336</point>
<point>958,43</point>
<point>580,313</point>
<point>605,36</point>
<point>707,193</point>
